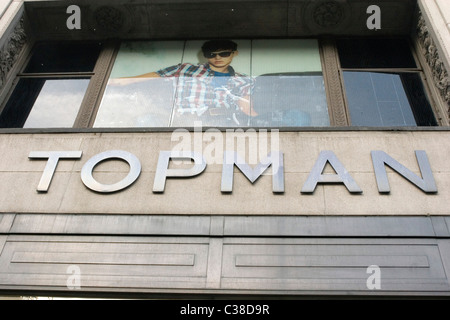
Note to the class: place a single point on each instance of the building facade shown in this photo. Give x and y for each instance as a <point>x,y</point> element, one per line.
<point>319,167</point>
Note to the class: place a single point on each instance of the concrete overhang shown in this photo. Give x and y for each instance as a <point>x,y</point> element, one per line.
<point>178,19</point>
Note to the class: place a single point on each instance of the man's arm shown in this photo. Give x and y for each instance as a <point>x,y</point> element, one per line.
<point>163,73</point>
<point>148,75</point>
<point>246,107</point>
<point>135,79</point>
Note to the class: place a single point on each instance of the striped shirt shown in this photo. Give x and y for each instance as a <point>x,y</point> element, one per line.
<point>195,91</point>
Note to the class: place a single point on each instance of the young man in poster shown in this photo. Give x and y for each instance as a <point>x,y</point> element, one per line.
<point>211,92</point>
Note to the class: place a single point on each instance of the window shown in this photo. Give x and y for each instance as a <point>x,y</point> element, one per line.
<point>382,83</point>
<point>50,91</point>
<point>273,83</point>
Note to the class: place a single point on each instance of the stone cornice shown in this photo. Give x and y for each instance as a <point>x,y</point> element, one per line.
<point>10,51</point>
<point>430,51</point>
<point>171,19</point>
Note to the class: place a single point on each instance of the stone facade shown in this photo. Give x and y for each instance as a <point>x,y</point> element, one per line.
<point>435,49</point>
<point>202,194</point>
<point>192,239</point>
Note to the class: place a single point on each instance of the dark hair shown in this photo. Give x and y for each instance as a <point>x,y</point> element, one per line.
<point>214,45</point>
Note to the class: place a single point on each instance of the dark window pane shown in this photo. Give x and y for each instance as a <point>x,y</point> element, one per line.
<point>420,105</point>
<point>44,103</point>
<point>63,57</point>
<point>385,99</point>
<point>19,105</point>
<point>375,53</point>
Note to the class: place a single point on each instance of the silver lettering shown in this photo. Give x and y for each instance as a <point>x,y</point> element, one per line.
<point>380,160</point>
<point>52,162</point>
<point>342,176</point>
<point>163,172</point>
<point>91,183</point>
<point>231,158</point>
<point>426,184</point>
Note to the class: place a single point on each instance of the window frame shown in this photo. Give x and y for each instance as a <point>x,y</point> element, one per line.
<point>96,76</point>
<point>331,69</point>
<point>419,69</point>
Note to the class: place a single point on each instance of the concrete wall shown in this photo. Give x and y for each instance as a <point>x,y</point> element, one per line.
<point>223,256</point>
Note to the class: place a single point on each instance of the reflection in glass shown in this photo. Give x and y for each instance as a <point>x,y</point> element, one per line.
<point>58,104</point>
<point>140,102</point>
<point>219,100</point>
<point>136,103</point>
<point>385,99</point>
<point>290,100</point>
<point>44,103</point>
<point>267,83</point>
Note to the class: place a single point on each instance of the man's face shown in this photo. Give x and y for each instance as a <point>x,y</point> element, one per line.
<point>221,59</point>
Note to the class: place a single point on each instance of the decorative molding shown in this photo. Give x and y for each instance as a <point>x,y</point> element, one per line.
<point>328,14</point>
<point>430,51</point>
<point>109,19</point>
<point>335,96</point>
<point>10,52</point>
<point>92,99</point>
<point>139,19</point>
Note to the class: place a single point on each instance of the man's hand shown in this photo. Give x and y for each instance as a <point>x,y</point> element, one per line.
<point>246,107</point>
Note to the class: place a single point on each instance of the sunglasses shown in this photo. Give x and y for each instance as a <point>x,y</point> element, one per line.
<point>223,54</point>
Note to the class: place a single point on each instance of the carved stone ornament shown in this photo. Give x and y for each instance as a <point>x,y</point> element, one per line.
<point>109,19</point>
<point>328,14</point>
<point>10,52</point>
<point>430,51</point>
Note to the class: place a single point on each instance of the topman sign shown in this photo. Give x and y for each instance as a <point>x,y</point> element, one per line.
<point>231,159</point>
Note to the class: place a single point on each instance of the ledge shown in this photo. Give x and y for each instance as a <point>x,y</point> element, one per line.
<point>167,19</point>
<point>226,226</point>
<point>192,129</point>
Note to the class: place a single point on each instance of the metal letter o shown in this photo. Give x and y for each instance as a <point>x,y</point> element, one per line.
<point>91,183</point>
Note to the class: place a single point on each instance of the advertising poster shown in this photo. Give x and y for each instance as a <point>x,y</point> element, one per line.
<point>222,83</point>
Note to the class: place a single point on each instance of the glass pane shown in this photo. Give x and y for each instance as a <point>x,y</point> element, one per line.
<point>131,103</point>
<point>54,57</point>
<point>382,99</point>
<point>290,100</point>
<point>57,104</point>
<point>161,84</point>
<point>375,53</point>
<point>289,87</point>
<point>215,98</point>
<point>134,101</point>
<point>420,105</point>
<point>173,83</point>
<point>44,103</point>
